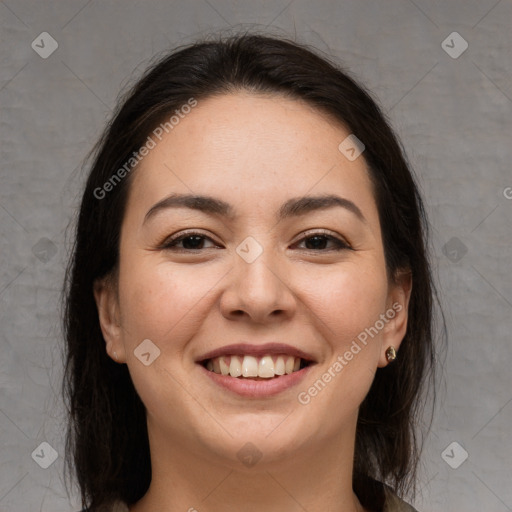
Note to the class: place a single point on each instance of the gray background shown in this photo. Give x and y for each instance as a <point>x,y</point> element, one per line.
<point>454,118</point>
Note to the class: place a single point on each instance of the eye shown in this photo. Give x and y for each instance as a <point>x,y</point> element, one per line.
<point>195,241</point>
<point>317,241</point>
<point>191,241</point>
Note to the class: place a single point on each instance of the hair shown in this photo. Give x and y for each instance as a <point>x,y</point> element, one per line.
<point>107,440</point>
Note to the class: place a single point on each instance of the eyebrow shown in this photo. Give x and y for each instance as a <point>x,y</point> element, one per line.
<point>294,207</point>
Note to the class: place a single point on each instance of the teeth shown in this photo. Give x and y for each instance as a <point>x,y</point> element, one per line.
<point>235,367</point>
<point>265,367</point>
<point>224,368</point>
<point>280,367</point>
<point>250,367</point>
<point>289,365</point>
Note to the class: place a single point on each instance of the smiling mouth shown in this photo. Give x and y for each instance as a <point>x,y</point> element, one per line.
<point>255,368</point>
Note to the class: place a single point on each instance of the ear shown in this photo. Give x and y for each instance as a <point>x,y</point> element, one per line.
<point>105,294</point>
<point>397,314</point>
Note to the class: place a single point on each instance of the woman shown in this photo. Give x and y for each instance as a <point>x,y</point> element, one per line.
<point>248,307</point>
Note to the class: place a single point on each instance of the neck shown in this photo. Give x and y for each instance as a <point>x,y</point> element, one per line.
<point>315,478</point>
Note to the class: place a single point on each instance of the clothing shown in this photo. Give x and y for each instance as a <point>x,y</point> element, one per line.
<point>395,504</point>
<point>392,504</point>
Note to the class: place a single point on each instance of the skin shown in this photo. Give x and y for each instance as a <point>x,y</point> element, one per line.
<point>254,152</point>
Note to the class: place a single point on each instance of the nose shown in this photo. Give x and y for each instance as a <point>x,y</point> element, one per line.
<point>258,291</point>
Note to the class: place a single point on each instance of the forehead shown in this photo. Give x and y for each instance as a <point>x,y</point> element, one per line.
<point>247,146</point>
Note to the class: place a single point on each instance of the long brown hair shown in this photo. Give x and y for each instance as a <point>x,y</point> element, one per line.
<point>107,440</point>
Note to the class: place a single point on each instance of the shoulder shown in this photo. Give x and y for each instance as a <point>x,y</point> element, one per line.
<point>118,506</point>
<point>395,504</point>
<point>377,496</point>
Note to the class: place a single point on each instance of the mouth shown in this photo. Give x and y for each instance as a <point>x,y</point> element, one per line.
<point>279,364</point>
<point>256,371</point>
<point>246,366</point>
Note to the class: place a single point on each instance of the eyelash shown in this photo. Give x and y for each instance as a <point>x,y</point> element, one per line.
<point>170,243</point>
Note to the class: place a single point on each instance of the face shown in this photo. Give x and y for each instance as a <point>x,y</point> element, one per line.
<point>256,270</point>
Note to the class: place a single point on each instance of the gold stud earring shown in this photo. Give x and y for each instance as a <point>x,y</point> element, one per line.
<point>390,354</point>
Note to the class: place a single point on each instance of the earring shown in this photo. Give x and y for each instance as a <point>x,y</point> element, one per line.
<point>115,355</point>
<point>390,354</point>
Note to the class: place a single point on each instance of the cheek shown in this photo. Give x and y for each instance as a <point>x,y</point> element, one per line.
<point>347,303</point>
<point>348,306</point>
<point>347,300</point>
<point>159,300</point>
<point>162,304</point>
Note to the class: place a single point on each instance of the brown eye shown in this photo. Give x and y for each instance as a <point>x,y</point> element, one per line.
<point>191,241</point>
<point>319,242</point>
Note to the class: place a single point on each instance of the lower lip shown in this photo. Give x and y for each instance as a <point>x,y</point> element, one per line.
<point>258,388</point>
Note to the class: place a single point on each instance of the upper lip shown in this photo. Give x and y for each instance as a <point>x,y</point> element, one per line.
<point>259,350</point>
